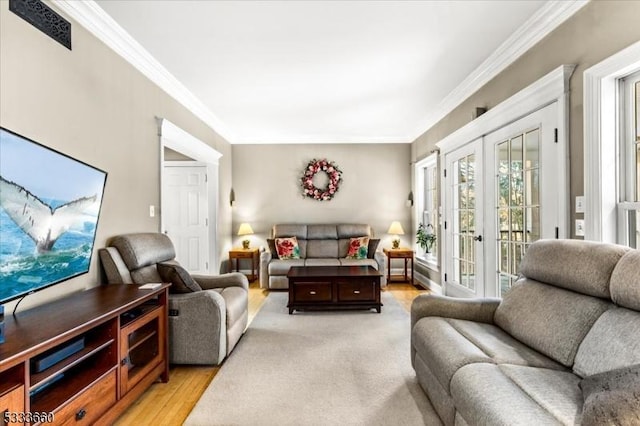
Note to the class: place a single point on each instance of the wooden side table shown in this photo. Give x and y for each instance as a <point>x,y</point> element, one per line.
<point>399,253</point>
<point>241,253</point>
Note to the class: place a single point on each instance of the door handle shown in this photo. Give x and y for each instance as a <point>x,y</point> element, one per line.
<point>478,238</point>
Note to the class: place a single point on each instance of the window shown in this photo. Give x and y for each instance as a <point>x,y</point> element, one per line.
<point>427,206</point>
<point>629,147</point>
<point>611,148</point>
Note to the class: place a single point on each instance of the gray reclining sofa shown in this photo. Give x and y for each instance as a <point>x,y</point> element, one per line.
<point>561,348</point>
<point>320,245</point>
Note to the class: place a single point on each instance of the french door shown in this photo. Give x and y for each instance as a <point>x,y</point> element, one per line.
<point>522,195</point>
<point>501,196</point>
<point>463,227</point>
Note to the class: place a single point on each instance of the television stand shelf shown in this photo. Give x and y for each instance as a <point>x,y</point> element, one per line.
<point>124,332</point>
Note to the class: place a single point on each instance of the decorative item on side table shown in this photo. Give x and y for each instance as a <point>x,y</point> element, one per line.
<point>325,167</point>
<point>396,230</point>
<point>425,237</point>
<point>245,229</point>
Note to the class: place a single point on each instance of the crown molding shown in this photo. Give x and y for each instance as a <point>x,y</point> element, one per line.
<point>88,14</point>
<point>95,20</point>
<point>541,23</point>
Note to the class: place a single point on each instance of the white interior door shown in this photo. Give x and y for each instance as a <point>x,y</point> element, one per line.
<point>463,182</point>
<point>522,164</point>
<point>185,210</point>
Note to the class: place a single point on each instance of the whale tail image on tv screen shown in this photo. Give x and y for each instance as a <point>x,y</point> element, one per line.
<point>49,209</point>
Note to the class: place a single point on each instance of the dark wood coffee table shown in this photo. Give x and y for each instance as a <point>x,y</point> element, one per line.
<point>334,287</point>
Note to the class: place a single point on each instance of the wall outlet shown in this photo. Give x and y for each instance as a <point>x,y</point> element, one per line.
<point>152,211</point>
<point>580,227</point>
<point>580,204</point>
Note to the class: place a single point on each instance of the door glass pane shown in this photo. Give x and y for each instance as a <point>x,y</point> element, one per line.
<point>532,153</point>
<point>532,216</point>
<point>462,196</point>
<point>503,224</point>
<point>461,168</point>
<point>471,194</point>
<point>517,190</point>
<point>502,157</point>
<point>503,190</point>
<point>532,185</point>
<point>516,154</point>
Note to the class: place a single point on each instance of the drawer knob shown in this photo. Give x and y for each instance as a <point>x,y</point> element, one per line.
<point>312,292</point>
<point>80,414</point>
<point>356,291</point>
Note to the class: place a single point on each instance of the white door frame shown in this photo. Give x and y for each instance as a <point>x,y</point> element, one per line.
<point>553,87</point>
<point>173,137</point>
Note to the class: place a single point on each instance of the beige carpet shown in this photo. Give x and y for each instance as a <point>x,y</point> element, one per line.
<point>318,368</point>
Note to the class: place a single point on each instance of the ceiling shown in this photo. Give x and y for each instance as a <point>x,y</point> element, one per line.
<point>325,71</point>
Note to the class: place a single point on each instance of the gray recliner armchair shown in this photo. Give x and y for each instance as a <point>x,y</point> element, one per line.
<point>205,325</point>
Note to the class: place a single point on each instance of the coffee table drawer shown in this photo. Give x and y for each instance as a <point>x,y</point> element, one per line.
<point>312,291</point>
<point>354,291</point>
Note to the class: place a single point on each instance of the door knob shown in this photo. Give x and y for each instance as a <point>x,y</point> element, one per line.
<point>478,238</point>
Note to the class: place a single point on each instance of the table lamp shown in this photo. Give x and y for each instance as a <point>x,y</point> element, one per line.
<point>396,230</point>
<point>245,229</point>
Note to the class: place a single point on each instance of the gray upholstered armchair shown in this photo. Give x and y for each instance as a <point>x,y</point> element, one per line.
<point>204,325</point>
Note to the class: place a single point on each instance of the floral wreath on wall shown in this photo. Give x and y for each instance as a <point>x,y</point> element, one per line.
<point>332,171</point>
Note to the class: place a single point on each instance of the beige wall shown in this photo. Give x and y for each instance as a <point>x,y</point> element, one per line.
<point>595,32</point>
<point>375,187</point>
<point>92,105</point>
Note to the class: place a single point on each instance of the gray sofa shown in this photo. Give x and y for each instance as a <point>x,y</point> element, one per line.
<point>204,325</point>
<point>562,346</point>
<point>320,245</point>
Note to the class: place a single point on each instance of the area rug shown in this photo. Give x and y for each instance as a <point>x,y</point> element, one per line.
<point>318,368</point>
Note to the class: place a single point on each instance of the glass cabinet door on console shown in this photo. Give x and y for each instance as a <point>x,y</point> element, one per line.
<point>141,347</point>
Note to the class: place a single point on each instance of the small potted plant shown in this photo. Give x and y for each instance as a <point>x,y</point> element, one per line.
<point>426,237</point>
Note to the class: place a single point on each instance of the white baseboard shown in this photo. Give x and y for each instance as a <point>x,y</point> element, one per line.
<point>426,283</point>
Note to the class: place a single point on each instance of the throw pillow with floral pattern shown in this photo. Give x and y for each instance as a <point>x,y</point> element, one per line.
<point>358,248</point>
<point>288,248</point>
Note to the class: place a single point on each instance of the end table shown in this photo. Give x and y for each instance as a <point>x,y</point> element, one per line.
<point>399,253</point>
<point>242,253</point>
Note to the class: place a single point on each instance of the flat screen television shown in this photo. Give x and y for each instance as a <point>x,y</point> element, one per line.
<point>49,209</point>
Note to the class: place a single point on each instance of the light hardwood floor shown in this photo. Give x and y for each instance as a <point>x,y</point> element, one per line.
<point>170,403</point>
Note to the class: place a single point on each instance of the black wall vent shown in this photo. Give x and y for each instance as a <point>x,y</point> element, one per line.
<point>43,18</point>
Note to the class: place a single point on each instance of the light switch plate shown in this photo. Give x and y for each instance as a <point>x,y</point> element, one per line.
<point>580,204</point>
<point>580,227</point>
<point>152,211</point>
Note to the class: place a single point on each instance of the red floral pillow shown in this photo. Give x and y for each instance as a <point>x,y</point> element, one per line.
<point>358,248</point>
<point>287,248</point>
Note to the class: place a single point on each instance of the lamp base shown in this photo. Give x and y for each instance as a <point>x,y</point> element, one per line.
<point>245,244</point>
<point>395,244</point>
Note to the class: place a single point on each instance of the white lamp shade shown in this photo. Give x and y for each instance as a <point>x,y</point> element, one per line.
<point>395,229</point>
<point>245,229</point>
